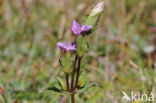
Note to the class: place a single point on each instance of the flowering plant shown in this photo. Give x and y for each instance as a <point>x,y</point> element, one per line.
<point>78,81</point>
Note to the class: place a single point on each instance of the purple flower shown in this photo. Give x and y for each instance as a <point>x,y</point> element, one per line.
<point>78,29</point>
<point>67,46</point>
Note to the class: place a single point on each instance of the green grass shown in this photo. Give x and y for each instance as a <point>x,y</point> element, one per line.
<point>116,60</point>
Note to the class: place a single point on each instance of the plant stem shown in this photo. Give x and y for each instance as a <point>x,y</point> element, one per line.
<point>72,80</point>
<point>73,73</point>
<point>72,98</point>
<point>78,72</point>
<point>67,82</point>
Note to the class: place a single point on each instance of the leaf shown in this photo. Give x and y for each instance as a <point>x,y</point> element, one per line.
<point>87,86</point>
<point>62,83</point>
<point>56,87</point>
<point>82,79</point>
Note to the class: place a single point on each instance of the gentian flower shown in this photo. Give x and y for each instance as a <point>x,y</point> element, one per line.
<point>78,29</point>
<point>97,9</point>
<point>67,46</point>
<point>1,91</point>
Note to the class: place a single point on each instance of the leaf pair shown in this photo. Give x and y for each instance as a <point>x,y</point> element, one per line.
<point>55,87</point>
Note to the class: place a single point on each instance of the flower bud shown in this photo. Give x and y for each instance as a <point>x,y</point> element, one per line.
<point>82,46</point>
<point>66,63</point>
<point>97,9</point>
<point>82,79</point>
<point>62,83</point>
<point>94,16</point>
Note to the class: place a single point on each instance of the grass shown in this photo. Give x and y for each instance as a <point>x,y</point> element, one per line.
<point>117,60</point>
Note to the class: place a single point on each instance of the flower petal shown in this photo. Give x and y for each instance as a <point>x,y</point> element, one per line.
<point>59,44</point>
<point>86,28</point>
<point>76,28</point>
<point>67,46</point>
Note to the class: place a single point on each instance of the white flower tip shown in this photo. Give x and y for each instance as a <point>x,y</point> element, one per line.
<point>97,9</point>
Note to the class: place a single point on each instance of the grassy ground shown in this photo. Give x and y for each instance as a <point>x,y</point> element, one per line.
<point>121,57</point>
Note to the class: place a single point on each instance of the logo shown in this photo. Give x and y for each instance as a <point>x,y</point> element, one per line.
<point>138,96</point>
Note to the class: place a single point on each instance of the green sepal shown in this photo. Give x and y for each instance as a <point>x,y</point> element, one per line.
<point>92,20</point>
<point>82,46</point>
<point>65,63</point>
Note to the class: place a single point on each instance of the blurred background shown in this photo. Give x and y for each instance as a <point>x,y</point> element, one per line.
<point>122,54</point>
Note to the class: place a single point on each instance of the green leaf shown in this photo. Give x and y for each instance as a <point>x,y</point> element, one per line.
<point>82,79</point>
<point>56,87</point>
<point>62,83</point>
<point>87,86</point>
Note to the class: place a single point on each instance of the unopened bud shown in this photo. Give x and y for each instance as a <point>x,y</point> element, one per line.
<point>97,9</point>
<point>94,16</point>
